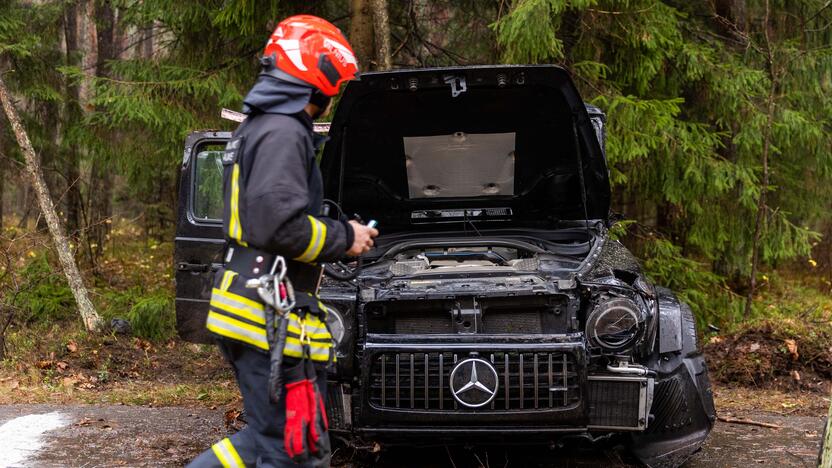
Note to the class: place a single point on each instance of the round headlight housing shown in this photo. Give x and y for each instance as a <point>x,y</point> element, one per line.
<point>615,324</point>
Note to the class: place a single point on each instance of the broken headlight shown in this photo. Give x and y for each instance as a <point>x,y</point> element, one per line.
<point>335,323</point>
<point>615,324</point>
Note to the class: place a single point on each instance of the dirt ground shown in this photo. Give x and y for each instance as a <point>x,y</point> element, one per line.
<point>141,436</point>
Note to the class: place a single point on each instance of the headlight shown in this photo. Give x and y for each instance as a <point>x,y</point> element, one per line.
<point>614,324</point>
<point>335,323</point>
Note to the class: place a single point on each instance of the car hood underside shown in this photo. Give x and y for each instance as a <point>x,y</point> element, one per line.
<point>511,145</point>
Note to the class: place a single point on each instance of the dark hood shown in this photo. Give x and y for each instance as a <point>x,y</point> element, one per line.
<point>519,123</point>
<point>270,95</point>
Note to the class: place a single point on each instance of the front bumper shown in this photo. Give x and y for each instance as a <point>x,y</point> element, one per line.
<point>543,388</point>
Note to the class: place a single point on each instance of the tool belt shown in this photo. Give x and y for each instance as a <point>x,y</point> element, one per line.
<point>252,263</point>
<point>248,261</point>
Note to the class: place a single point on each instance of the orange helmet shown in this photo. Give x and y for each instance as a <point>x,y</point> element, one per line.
<point>312,50</point>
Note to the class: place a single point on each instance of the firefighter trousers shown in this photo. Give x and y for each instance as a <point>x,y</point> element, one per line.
<point>260,442</point>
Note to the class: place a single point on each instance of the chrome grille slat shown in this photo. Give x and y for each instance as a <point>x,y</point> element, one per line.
<point>535,381</point>
<point>398,391</point>
<point>383,379</point>
<point>427,381</point>
<point>523,376</point>
<point>412,381</point>
<point>550,380</point>
<point>564,378</point>
<point>508,375</point>
<point>441,381</point>
<point>522,382</point>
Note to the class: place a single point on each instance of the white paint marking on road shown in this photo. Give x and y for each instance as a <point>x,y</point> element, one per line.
<point>21,437</point>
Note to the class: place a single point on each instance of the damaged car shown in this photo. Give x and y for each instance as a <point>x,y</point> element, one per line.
<point>495,305</point>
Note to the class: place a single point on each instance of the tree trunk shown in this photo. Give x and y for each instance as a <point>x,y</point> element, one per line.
<point>73,275</point>
<point>761,202</point>
<point>735,12</point>
<point>381,29</point>
<point>73,116</point>
<point>361,33</point>
<point>2,178</point>
<point>101,186</point>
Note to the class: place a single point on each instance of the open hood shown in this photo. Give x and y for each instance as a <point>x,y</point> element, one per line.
<point>416,149</point>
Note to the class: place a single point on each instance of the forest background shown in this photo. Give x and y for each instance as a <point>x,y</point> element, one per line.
<point>718,142</point>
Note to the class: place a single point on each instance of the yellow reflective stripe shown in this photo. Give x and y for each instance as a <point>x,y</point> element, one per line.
<point>315,344</point>
<point>238,298</point>
<point>238,462</point>
<point>220,456</point>
<point>312,355</point>
<point>235,228</point>
<point>316,241</point>
<point>238,305</point>
<point>239,312</point>
<point>227,454</point>
<point>227,278</point>
<point>323,307</point>
<point>311,334</point>
<point>228,327</point>
<point>321,240</point>
<point>255,316</point>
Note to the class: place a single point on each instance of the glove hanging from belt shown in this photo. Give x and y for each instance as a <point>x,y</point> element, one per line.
<point>306,422</point>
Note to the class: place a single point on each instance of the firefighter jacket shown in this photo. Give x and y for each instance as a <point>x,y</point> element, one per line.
<point>273,193</point>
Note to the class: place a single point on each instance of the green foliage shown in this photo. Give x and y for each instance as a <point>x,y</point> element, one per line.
<point>45,297</point>
<point>711,300</point>
<point>152,318</point>
<point>686,97</point>
<point>528,33</point>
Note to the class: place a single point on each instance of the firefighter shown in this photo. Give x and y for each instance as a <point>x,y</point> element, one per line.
<point>273,200</point>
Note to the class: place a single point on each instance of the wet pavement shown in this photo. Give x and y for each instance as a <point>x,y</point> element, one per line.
<point>130,436</point>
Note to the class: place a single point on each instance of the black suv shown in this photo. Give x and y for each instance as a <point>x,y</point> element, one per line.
<point>494,305</point>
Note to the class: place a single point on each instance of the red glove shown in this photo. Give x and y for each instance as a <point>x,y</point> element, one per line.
<point>318,445</point>
<point>297,413</point>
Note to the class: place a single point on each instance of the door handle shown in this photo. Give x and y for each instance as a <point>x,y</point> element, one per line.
<point>198,267</point>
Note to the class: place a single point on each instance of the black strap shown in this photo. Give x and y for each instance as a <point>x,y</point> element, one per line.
<point>248,261</point>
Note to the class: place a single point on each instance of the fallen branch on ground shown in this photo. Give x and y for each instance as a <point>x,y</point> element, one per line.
<point>748,422</point>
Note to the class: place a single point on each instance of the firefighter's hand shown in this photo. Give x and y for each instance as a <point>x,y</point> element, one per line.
<point>363,239</point>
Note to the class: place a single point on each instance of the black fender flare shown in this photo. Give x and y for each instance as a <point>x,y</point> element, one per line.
<point>682,412</point>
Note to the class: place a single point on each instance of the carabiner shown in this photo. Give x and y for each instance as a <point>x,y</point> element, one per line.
<point>279,267</point>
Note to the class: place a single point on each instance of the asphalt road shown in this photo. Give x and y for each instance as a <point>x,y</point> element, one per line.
<point>107,436</point>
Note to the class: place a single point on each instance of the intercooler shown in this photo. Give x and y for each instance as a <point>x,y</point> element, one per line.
<point>618,402</point>
<point>528,381</point>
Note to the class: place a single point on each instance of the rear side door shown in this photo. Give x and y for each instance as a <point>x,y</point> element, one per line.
<point>199,240</point>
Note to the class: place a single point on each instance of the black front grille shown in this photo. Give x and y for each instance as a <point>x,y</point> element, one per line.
<point>527,381</point>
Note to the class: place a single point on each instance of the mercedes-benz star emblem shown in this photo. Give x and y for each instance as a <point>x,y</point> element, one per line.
<point>474,382</point>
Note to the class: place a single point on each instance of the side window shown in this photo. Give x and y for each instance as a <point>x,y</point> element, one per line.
<point>207,183</point>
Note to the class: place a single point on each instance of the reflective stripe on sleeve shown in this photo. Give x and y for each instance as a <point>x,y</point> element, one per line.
<point>235,329</point>
<point>235,228</point>
<point>317,238</point>
<point>227,454</point>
